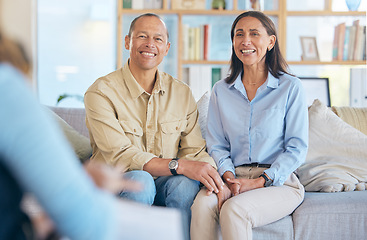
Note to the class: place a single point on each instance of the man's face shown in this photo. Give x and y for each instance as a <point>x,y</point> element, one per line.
<point>148,43</point>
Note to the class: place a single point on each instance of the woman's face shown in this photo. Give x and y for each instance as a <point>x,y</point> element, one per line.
<point>251,41</point>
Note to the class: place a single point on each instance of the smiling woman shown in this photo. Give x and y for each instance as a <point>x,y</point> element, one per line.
<point>257,132</point>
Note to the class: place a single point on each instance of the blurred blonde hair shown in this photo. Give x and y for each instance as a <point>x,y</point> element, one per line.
<point>13,53</point>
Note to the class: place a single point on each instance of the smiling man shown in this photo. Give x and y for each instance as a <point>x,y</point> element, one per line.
<point>145,123</point>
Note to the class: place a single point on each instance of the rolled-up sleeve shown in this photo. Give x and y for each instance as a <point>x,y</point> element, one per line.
<point>218,146</point>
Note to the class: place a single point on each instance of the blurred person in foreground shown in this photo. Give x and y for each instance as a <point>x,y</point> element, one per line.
<point>145,123</point>
<point>36,158</point>
<point>257,132</point>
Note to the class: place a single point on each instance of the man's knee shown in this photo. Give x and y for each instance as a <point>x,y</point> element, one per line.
<point>148,192</point>
<point>184,185</point>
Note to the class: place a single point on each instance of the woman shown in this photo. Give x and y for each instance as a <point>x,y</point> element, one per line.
<point>257,134</point>
<point>36,158</point>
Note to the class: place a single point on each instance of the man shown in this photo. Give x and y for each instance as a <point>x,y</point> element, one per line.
<point>145,123</point>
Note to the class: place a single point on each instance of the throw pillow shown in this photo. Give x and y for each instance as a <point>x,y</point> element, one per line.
<point>80,143</point>
<point>336,159</point>
<point>356,117</point>
<point>203,105</point>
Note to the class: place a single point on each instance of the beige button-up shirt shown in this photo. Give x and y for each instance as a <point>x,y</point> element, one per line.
<point>128,126</point>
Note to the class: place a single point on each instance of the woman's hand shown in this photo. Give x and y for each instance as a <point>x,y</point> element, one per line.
<point>247,184</point>
<point>223,195</point>
<point>234,186</point>
<point>110,179</point>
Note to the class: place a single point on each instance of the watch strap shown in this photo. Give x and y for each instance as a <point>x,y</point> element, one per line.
<point>268,181</point>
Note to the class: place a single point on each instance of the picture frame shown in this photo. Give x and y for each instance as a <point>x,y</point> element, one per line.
<point>316,88</point>
<point>309,49</point>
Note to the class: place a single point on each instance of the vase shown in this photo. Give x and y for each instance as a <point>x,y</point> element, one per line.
<point>353,4</point>
<point>219,4</point>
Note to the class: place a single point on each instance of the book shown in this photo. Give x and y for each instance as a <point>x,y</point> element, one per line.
<point>191,44</point>
<point>336,43</point>
<point>157,4</point>
<point>216,75</point>
<point>199,78</point>
<point>185,41</point>
<point>207,30</point>
<point>137,4</point>
<point>341,40</point>
<point>127,4</point>
<point>356,40</point>
<point>346,43</point>
<point>201,43</point>
<point>197,43</point>
<point>358,53</point>
<point>351,42</point>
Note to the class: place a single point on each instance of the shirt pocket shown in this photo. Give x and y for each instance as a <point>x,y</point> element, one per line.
<point>171,136</point>
<point>269,123</point>
<point>133,131</point>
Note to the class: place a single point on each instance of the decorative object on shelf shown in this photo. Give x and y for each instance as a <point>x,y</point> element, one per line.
<point>219,4</point>
<point>255,5</point>
<point>188,4</point>
<point>353,4</point>
<point>309,49</point>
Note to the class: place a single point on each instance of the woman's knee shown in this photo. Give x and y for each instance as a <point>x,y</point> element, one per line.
<point>204,204</point>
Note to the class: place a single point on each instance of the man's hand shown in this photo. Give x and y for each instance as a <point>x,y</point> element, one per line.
<point>202,172</point>
<point>223,195</point>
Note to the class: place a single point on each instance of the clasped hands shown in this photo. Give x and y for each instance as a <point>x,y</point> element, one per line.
<point>234,186</point>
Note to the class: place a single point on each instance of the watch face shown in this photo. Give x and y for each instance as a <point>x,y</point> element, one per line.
<point>173,164</point>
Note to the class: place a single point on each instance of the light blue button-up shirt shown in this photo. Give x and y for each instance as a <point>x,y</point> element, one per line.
<point>270,129</point>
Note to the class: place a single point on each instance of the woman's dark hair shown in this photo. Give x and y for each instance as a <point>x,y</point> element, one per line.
<point>132,25</point>
<point>274,60</point>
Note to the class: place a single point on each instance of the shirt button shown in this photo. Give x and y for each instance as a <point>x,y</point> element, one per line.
<point>134,130</point>
<point>176,128</point>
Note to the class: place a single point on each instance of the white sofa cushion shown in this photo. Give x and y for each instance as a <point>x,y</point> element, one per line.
<point>203,105</point>
<point>337,155</point>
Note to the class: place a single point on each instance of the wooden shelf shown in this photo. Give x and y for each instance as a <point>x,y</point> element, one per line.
<point>326,63</point>
<point>325,13</point>
<point>191,12</point>
<point>281,14</point>
<point>209,62</point>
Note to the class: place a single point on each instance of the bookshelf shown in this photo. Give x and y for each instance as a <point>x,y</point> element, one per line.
<point>280,13</point>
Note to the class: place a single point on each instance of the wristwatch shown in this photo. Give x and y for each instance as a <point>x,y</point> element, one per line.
<point>173,165</point>
<point>268,181</point>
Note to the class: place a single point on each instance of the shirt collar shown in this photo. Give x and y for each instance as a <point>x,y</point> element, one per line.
<point>134,87</point>
<point>272,82</point>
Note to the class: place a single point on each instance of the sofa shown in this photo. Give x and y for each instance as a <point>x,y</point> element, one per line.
<point>332,208</point>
